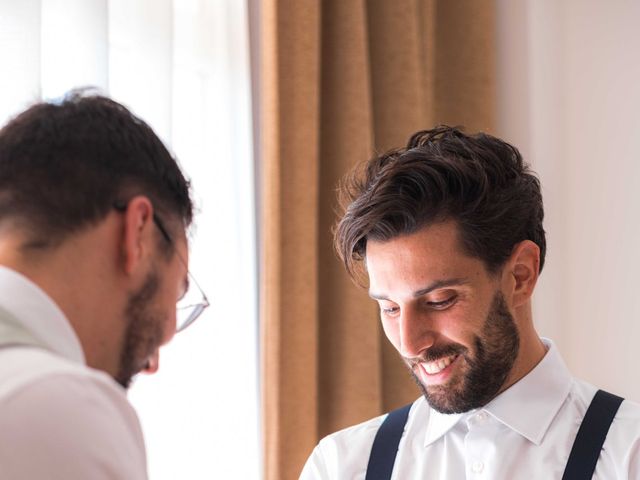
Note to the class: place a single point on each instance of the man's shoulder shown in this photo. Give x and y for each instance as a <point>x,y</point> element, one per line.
<point>584,391</point>
<point>23,367</point>
<point>355,433</point>
<point>348,450</point>
<point>31,375</point>
<point>628,418</point>
<point>35,381</point>
<point>625,428</point>
<point>366,431</point>
<point>63,411</point>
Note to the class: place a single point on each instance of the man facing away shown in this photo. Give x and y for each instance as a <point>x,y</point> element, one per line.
<point>449,231</point>
<point>93,258</point>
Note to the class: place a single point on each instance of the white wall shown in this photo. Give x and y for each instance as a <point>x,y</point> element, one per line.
<point>569,97</point>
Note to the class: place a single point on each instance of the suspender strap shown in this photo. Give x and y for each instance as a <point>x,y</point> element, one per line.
<point>591,435</point>
<point>582,459</point>
<point>385,445</point>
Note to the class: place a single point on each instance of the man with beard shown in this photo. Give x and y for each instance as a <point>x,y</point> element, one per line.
<point>93,258</point>
<point>449,231</point>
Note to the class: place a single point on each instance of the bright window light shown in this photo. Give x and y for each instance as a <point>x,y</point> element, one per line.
<point>183,66</point>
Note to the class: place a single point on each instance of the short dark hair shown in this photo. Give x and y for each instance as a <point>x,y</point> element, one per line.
<point>64,164</point>
<point>478,181</point>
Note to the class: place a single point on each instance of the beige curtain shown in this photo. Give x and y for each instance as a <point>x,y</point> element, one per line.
<point>337,81</point>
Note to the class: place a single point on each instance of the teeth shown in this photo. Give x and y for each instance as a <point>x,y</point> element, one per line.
<point>438,365</point>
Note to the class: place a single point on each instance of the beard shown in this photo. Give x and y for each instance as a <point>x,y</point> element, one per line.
<point>143,333</point>
<point>485,370</point>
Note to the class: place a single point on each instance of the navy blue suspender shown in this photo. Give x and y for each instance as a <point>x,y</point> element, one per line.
<point>385,445</point>
<point>582,459</point>
<point>591,435</point>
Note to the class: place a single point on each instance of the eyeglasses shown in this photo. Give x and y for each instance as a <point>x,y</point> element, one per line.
<point>191,305</point>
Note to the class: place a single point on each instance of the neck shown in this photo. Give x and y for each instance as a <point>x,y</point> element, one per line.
<point>531,349</point>
<point>81,290</point>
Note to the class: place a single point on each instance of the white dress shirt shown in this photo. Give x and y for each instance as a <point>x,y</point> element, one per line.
<point>526,432</point>
<point>59,419</point>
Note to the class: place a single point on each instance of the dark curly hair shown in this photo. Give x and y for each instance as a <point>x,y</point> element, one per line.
<point>478,181</point>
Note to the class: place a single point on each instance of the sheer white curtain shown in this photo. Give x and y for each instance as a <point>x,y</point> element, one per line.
<point>183,66</point>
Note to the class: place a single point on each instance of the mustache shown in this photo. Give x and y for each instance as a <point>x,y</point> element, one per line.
<point>436,353</point>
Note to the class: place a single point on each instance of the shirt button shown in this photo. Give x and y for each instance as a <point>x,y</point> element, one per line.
<point>481,417</point>
<point>477,467</point>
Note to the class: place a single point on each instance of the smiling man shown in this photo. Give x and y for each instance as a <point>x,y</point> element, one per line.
<point>449,231</point>
<point>93,258</point>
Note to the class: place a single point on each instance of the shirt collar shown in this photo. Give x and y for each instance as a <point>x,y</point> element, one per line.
<point>439,424</point>
<point>543,391</point>
<point>36,314</point>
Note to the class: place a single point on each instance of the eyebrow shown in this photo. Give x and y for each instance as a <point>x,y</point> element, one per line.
<point>450,282</point>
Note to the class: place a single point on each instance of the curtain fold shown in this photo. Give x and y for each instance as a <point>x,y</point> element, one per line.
<point>338,81</point>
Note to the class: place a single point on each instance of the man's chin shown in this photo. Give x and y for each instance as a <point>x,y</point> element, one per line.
<point>128,374</point>
<point>444,400</point>
<point>445,397</point>
<point>125,379</point>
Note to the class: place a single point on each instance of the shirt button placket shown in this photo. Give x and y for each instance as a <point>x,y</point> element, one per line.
<point>475,444</point>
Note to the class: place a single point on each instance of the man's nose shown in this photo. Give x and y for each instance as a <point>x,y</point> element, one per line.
<point>153,362</point>
<point>416,332</point>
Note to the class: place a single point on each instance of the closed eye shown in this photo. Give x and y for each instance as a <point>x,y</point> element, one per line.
<point>441,305</point>
<point>389,311</point>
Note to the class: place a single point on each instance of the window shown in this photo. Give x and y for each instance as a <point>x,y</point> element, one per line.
<point>183,66</point>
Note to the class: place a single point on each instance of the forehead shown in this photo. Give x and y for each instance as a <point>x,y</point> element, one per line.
<point>432,253</point>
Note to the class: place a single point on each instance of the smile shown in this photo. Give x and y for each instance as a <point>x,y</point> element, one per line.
<point>435,367</point>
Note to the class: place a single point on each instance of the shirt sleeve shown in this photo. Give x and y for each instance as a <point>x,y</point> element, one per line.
<point>343,455</point>
<point>315,468</point>
<point>67,426</point>
<point>634,461</point>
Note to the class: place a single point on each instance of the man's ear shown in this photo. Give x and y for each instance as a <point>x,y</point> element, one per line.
<point>522,270</point>
<point>137,232</point>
